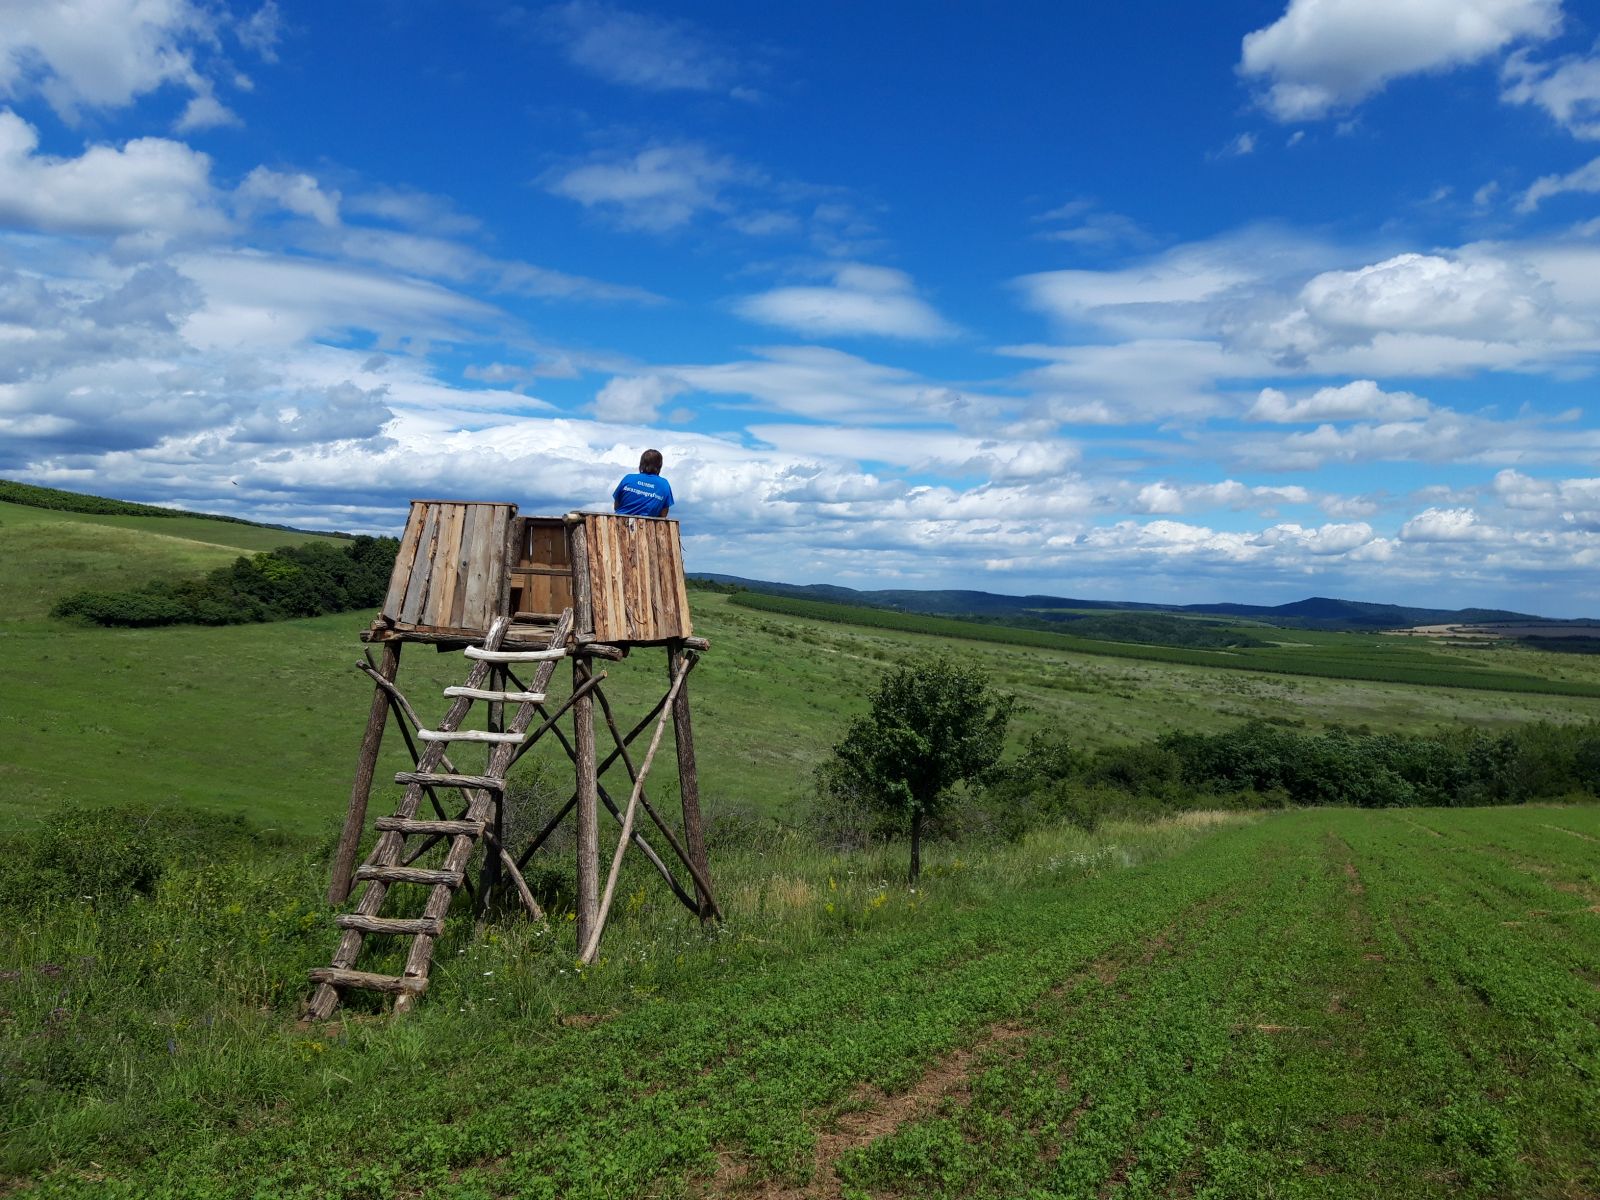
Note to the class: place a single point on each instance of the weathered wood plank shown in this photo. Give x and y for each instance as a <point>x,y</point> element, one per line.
<point>530,637</point>
<point>507,559</point>
<point>423,875</point>
<point>513,656</point>
<point>335,977</point>
<point>582,579</point>
<point>439,609</point>
<point>467,735</point>
<point>492,694</point>
<point>417,825</point>
<point>400,577</point>
<point>683,621</point>
<point>417,588</point>
<point>443,779</point>
<point>475,570</point>
<point>391,925</point>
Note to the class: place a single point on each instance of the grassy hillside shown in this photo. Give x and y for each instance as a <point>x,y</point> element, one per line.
<point>49,552</point>
<point>266,719</point>
<point>1302,652</point>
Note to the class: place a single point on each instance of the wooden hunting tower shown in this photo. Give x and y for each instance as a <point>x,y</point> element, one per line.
<point>511,590</point>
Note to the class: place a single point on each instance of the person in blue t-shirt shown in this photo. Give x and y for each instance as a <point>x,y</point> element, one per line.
<point>644,494</point>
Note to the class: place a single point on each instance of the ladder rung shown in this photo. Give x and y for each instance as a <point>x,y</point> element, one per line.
<point>410,875</point>
<point>408,825</point>
<point>442,779</point>
<point>489,694</point>
<point>468,735</point>
<point>366,979</point>
<point>431,926</point>
<point>511,656</point>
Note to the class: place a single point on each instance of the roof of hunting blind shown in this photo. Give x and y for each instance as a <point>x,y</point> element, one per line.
<point>462,563</point>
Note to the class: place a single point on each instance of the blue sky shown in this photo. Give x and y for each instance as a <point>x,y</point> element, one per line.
<point>1157,301</point>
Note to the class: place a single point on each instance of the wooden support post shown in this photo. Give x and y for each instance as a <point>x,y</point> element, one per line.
<point>588,833</point>
<point>694,830</point>
<point>355,817</point>
<point>591,947</point>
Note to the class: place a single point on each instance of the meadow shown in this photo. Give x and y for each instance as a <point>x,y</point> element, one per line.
<point>1324,1002</point>
<point>1295,652</point>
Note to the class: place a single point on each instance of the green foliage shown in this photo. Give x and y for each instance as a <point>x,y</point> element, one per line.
<point>1328,656</point>
<point>931,724</point>
<point>291,581</point>
<point>1156,629</point>
<point>105,857</point>
<point>1373,770</point>
<point>1262,764</point>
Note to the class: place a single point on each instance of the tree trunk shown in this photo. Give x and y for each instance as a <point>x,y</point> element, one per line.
<point>916,843</point>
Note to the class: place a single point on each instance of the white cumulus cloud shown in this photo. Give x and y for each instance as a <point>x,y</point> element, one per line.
<point>1446,525</point>
<point>1361,399</point>
<point>635,398</point>
<point>1323,56</point>
<point>299,193</point>
<point>150,186</point>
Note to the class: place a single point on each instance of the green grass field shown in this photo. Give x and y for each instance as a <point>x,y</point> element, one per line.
<point>265,719</point>
<point>1325,1003</point>
<point>50,553</point>
<point>1370,657</point>
<point>1322,1004</point>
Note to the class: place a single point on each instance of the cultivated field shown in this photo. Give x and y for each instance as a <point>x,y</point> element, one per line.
<point>1320,1004</point>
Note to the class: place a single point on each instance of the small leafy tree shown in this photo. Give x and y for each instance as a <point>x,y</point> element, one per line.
<point>932,724</point>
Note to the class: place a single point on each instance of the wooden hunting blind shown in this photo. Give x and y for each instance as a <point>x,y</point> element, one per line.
<point>511,590</point>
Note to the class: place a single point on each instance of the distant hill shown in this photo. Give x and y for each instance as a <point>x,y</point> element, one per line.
<point>1315,612</point>
<point>32,495</point>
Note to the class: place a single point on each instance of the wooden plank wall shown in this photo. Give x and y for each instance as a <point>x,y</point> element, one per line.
<point>451,566</point>
<point>541,580</point>
<point>636,577</point>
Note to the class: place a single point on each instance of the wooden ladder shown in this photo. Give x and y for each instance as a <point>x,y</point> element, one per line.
<point>388,864</point>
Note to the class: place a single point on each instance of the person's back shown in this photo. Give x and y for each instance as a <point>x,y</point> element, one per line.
<point>644,493</point>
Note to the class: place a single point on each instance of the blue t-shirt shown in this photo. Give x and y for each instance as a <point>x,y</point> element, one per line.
<point>642,496</point>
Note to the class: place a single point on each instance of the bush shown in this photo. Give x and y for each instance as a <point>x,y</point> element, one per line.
<point>291,581</point>
<point>1262,764</point>
<point>107,856</point>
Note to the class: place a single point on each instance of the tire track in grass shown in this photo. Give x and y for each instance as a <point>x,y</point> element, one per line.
<point>1314,1104</point>
<point>1504,1053</point>
<point>1100,1099</point>
<point>1569,832</point>
<point>872,1113</point>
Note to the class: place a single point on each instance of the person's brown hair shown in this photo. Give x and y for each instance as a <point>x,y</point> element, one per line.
<point>650,462</point>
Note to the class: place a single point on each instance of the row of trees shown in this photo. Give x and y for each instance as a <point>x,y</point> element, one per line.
<point>291,581</point>
<point>934,729</point>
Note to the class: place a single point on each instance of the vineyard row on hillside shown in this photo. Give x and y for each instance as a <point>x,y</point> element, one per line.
<point>1410,666</point>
